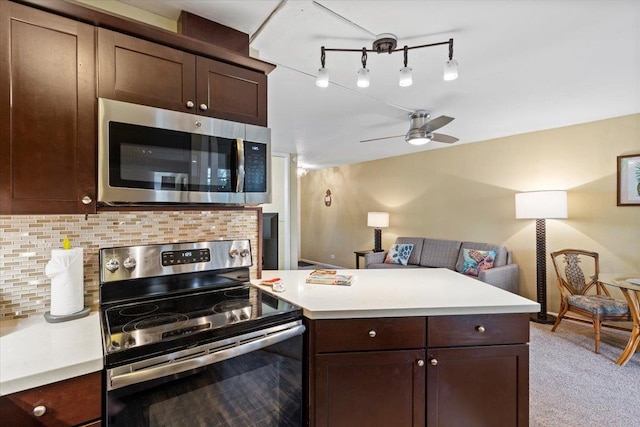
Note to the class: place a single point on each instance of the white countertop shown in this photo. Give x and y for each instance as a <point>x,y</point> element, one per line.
<point>34,353</point>
<point>396,292</point>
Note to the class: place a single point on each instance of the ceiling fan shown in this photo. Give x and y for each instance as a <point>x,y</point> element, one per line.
<point>421,129</point>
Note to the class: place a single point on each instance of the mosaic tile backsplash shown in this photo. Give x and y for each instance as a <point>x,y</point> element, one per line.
<point>26,242</point>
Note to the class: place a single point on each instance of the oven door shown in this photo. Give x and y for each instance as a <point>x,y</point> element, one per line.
<point>253,379</point>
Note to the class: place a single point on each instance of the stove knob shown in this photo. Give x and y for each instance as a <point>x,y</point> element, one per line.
<point>129,263</point>
<point>233,253</point>
<point>112,265</point>
<point>244,253</point>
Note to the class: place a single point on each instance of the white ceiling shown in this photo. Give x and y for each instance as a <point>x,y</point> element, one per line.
<point>524,66</point>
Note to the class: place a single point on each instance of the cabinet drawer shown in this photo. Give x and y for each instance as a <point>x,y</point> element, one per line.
<point>369,334</point>
<point>481,329</point>
<point>75,401</point>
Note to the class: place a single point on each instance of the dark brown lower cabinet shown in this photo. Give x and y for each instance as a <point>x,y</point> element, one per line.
<point>72,402</point>
<point>440,371</point>
<point>478,386</point>
<point>378,388</point>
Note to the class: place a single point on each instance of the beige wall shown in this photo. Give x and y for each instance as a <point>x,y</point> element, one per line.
<point>466,192</point>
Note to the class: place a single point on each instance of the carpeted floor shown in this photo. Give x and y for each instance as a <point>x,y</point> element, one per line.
<point>571,386</point>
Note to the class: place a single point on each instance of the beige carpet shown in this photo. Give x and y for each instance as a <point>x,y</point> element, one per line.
<point>571,386</point>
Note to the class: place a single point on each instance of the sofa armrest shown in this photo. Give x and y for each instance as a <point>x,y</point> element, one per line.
<point>374,258</point>
<point>504,277</point>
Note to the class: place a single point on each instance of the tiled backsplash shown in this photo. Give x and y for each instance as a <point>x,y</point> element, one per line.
<point>26,242</point>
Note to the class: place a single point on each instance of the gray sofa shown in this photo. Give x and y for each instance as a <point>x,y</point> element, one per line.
<point>448,254</point>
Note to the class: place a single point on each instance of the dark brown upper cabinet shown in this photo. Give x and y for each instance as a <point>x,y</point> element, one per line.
<point>143,72</point>
<point>47,113</point>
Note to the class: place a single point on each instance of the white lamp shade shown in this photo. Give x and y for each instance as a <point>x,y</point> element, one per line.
<point>363,77</point>
<point>406,78</point>
<point>451,70</point>
<point>541,205</point>
<point>378,219</point>
<point>323,77</point>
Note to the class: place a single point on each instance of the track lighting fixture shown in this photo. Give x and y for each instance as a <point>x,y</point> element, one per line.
<point>386,43</point>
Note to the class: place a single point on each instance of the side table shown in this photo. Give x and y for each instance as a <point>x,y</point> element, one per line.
<point>361,254</point>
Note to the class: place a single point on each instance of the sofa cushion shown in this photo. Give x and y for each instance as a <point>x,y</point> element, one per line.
<point>399,254</point>
<point>476,261</point>
<point>440,253</point>
<point>393,266</point>
<point>501,253</point>
<point>414,258</point>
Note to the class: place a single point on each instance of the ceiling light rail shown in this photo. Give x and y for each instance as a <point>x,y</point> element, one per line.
<point>386,43</point>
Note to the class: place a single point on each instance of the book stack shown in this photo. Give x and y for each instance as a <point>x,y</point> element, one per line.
<point>329,277</point>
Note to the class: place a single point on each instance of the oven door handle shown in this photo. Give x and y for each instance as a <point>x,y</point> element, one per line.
<point>123,380</point>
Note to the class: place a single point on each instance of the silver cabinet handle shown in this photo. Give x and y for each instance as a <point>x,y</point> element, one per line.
<point>372,333</point>
<point>480,329</point>
<point>204,107</point>
<point>420,362</point>
<point>39,410</point>
<point>190,104</point>
<point>87,200</point>
<point>434,362</point>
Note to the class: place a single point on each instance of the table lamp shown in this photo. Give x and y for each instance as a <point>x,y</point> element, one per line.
<point>541,205</point>
<point>377,220</point>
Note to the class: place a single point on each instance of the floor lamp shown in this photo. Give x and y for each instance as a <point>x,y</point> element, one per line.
<point>541,205</point>
<point>377,220</point>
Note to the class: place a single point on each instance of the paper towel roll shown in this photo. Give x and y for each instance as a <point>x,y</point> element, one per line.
<point>67,282</point>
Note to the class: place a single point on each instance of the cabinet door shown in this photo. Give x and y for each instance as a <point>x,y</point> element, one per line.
<point>230,92</point>
<point>478,386</point>
<point>380,388</point>
<point>142,72</point>
<point>72,402</point>
<point>47,113</point>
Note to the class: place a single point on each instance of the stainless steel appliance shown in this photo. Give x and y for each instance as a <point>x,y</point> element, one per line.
<point>151,155</point>
<point>188,341</point>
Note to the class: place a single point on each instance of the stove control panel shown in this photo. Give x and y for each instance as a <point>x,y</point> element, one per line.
<point>170,258</point>
<point>136,262</point>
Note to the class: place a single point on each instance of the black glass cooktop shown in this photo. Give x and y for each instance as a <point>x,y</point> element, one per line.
<point>168,322</point>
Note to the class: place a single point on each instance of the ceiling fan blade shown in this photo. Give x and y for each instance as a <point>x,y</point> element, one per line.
<point>436,123</point>
<point>379,139</point>
<point>447,139</point>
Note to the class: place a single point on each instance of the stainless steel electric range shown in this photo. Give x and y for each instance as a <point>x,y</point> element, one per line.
<point>189,341</point>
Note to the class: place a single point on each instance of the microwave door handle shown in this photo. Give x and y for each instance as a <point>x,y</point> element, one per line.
<point>240,166</point>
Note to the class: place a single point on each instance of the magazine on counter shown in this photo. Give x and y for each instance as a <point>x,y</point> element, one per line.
<point>329,277</point>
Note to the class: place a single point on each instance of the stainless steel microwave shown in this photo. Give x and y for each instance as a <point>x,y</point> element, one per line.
<point>151,155</point>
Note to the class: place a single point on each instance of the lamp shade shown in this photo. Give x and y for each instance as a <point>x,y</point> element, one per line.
<point>541,205</point>
<point>378,219</point>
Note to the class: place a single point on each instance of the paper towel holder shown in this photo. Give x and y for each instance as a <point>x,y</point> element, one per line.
<point>52,318</point>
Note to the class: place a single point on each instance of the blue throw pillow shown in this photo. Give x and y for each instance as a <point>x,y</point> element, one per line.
<point>399,254</point>
<point>476,260</point>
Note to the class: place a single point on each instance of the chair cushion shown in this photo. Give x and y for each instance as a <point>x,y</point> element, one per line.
<point>599,304</point>
<point>399,254</point>
<point>440,253</point>
<point>475,261</point>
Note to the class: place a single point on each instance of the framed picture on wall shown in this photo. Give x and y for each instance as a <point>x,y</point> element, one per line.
<point>629,180</point>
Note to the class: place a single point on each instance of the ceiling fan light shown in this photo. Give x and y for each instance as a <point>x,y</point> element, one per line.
<point>323,78</point>
<point>406,78</point>
<point>451,70</point>
<point>363,77</point>
<point>418,137</point>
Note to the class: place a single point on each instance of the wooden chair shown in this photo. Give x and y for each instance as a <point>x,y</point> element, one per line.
<point>573,286</point>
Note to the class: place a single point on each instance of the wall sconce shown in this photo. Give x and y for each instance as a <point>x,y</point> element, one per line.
<point>327,198</point>
<point>386,43</point>
<point>377,220</point>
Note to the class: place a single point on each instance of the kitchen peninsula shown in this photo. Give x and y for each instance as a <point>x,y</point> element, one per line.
<point>411,348</point>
